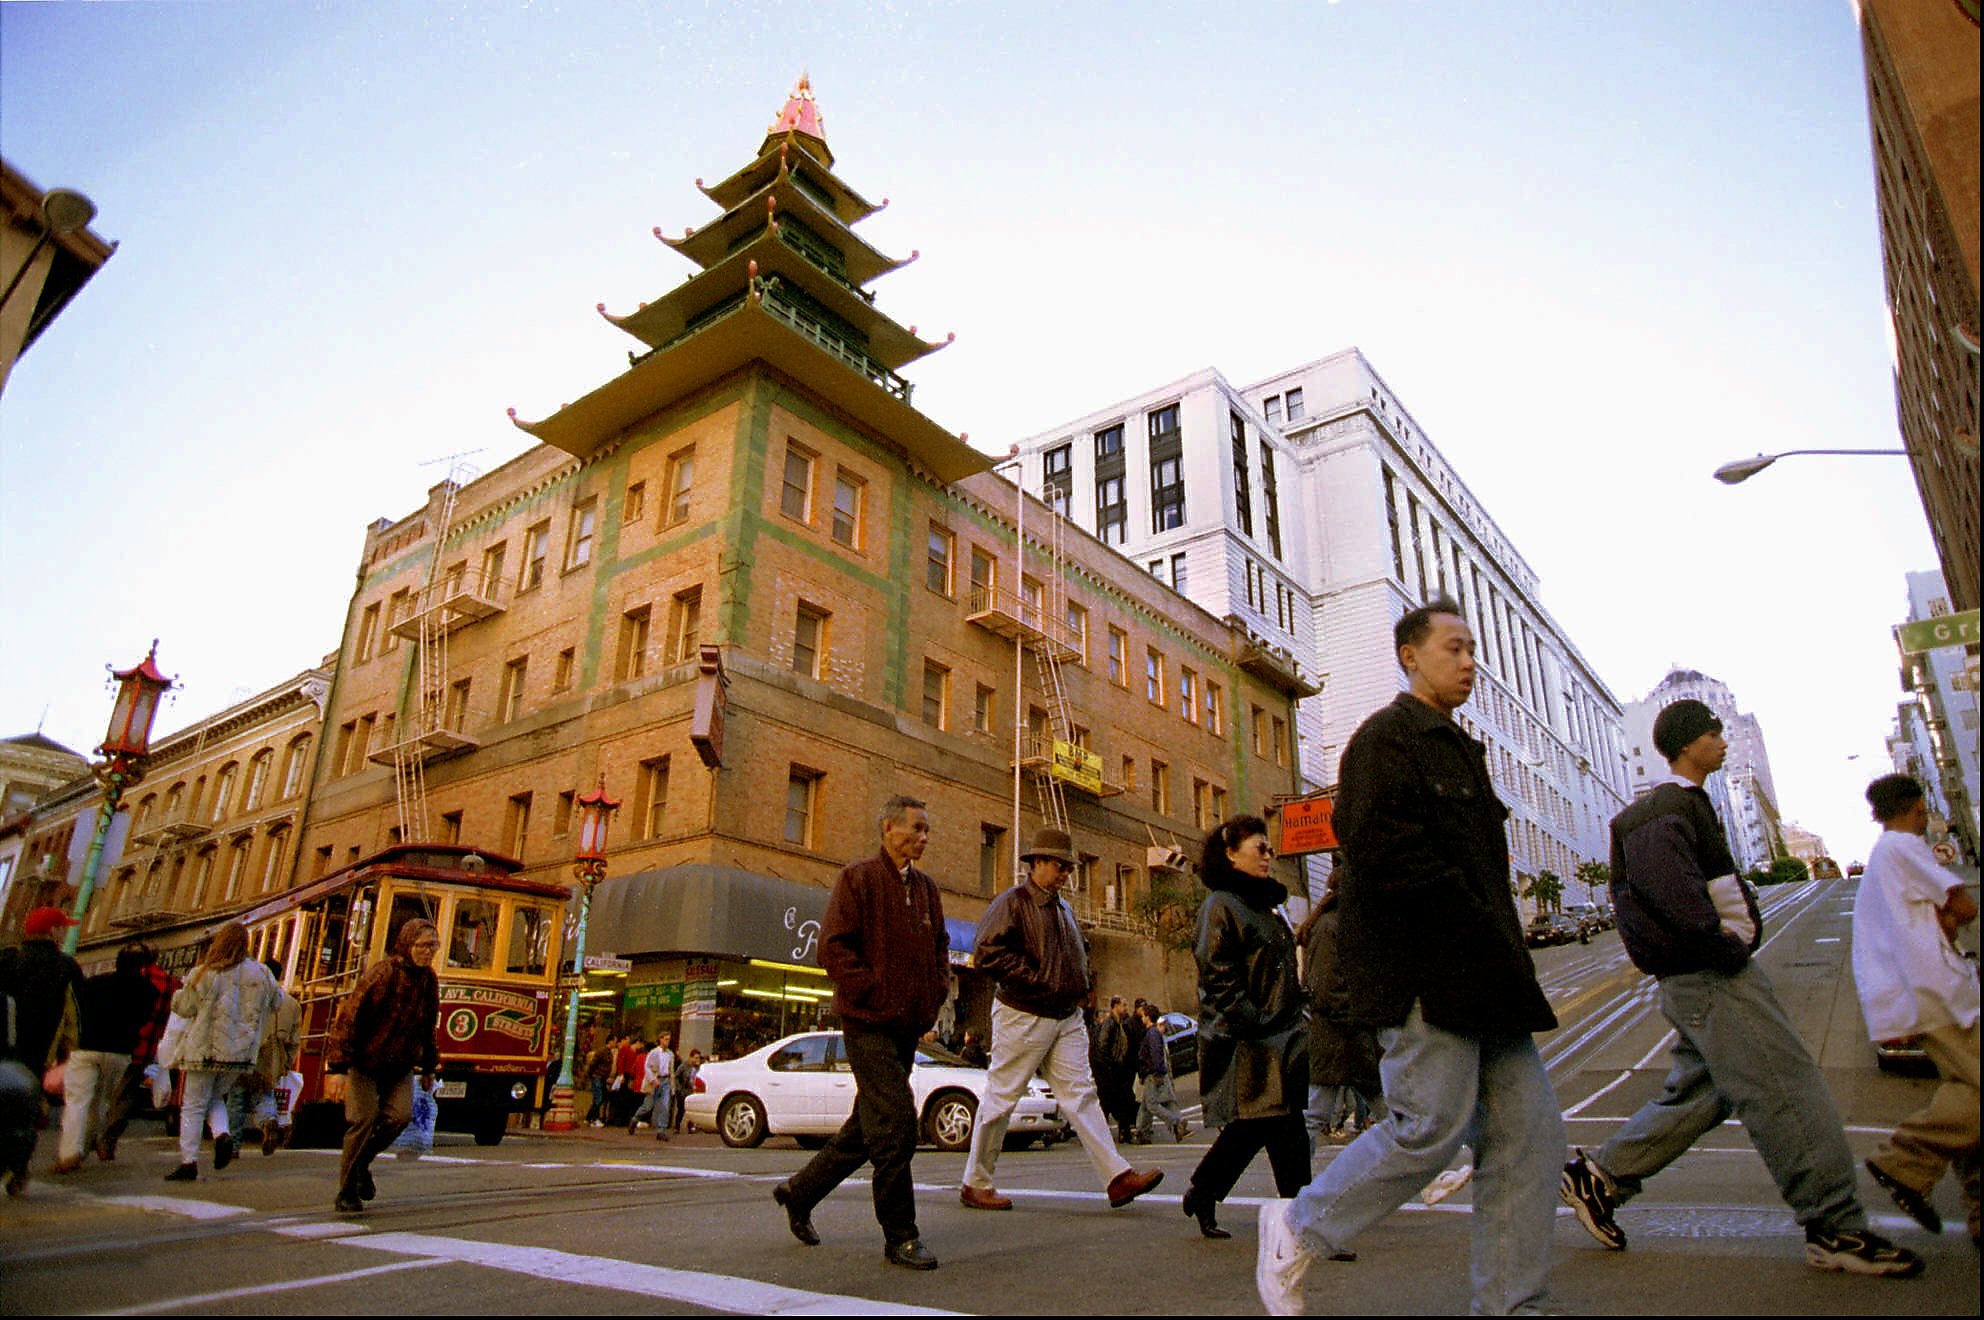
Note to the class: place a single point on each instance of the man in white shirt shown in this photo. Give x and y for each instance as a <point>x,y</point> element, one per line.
<point>1913,982</point>
<point>658,1076</point>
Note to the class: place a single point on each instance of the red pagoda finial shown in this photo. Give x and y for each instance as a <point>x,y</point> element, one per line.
<point>801,113</point>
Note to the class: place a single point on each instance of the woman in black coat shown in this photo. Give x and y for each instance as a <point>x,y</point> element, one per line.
<point>1253,1061</point>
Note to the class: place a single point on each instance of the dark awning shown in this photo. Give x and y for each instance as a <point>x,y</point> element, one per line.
<point>700,907</point>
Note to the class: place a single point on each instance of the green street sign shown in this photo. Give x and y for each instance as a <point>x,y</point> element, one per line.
<point>1944,630</point>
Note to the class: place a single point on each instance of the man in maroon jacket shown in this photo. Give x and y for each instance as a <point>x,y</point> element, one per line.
<point>882,942</point>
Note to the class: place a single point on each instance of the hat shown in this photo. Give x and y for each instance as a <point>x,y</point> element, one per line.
<point>1051,843</point>
<point>1680,723</point>
<point>46,920</point>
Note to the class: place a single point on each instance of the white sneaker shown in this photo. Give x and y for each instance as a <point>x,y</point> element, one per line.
<point>1280,1262</point>
<point>1446,1184</point>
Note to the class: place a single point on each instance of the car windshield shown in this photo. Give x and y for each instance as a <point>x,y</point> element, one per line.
<point>929,1053</point>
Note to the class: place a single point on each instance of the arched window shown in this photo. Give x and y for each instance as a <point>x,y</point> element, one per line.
<point>223,790</point>
<point>293,768</point>
<point>237,867</point>
<point>145,806</point>
<point>258,779</point>
<point>175,801</point>
<point>272,858</point>
<point>203,873</point>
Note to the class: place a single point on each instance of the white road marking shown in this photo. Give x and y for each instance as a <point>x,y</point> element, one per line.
<point>262,1289</point>
<point>185,1207</point>
<point>718,1292</point>
<point>326,1228</point>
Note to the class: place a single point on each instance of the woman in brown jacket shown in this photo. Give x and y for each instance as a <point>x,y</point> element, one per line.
<point>382,1035</point>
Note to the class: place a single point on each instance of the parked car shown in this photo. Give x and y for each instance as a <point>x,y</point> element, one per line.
<point>1181,1041</point>
<point>1542,933</point>
<point>802,1087</point>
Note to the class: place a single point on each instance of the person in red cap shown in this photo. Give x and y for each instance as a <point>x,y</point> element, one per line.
<point>43,982</point>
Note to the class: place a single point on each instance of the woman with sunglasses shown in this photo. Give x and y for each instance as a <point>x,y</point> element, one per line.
<point>1253,1060</point>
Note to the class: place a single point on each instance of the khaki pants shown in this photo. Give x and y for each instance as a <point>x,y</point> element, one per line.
<point>1022,1044</point>
<point>1943,1133</point>
<point>375,1112</point>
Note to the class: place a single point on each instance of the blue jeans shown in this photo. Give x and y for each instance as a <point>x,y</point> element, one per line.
<point>1737,1053</point>
<point>1444,1091</point>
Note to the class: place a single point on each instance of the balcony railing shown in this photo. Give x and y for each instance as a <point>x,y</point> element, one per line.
<point>1011,615</point>
<point>168,827</point>
<point>820,334</point>
<point>1037,754</point>
<point>451,603</point>
<point>435,744</point>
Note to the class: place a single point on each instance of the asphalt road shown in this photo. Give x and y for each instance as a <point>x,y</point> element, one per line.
<point>601,1222</point>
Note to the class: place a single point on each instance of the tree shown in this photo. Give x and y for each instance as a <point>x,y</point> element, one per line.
<point>1547,891</point>
<point>1594,876</point>
<point>1789,871</point>
<point>1172,905</point>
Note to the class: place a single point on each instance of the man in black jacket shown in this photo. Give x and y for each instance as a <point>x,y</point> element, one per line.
<point>1688,919</point>
<point>1028,942</point>
<point>1433,959</point>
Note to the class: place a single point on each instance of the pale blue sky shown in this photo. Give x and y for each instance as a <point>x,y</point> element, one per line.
<point>1597,249</point>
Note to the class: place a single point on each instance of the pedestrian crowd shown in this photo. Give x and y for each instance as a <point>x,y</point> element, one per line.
<point>1399,1022</point>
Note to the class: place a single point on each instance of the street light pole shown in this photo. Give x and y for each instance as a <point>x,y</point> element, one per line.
<point>126,750</point>
<point>589,865</point>
<point>1743,469</point>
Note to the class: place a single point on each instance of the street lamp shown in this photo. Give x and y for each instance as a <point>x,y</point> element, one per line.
<point>589,865</point>
<point>1744,468</point>
<point>126,748</point>
<point>63,211</point>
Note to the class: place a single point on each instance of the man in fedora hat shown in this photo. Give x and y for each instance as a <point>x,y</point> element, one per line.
<point>1029,944</point>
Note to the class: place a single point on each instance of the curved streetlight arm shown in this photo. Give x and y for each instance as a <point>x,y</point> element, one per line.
<point>1743,469</point>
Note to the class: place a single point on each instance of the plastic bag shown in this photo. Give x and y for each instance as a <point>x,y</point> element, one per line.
<point>418,1138</point>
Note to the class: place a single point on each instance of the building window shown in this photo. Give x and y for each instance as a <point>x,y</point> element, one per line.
<point>1215,720</point>
<point>237,868</point>
<point>1271,497</point>
<point>1164,423</point>
<point>809,640</point>
<point>651,798</point>
<point>532,574</point>
<point>398,606</point>
<point>451,832</point>
<point>635,504</point>
<point>1057,477</point>
<point>982,709</point>
<point>1112,513</point>
<point>937,567</point>
<point>224,789</point>
<point>1278,738</point>
<point>203,873</point>
<point>991,858</point>
<point>1078,632</point>
<point>1271,408</point>
<point>274,852</point>
<point>1295,404</point>
<point>1160,787</point>
<point>492,568</point>
<point>511,701</point>
<point>258,779</point>
<point>1109,441</point>
<point>936,694</point>
<point>802,801</point>
<point>984,577</point>
<point>293,769</point>
<point>1178,572</point>
<point>1243,497</point>
<point>1259,719</point>
<point>796,493</point>
<point>1218,805</point>
<point>561,672</point>
<point>578,539</point>
<point>680,478</point>
<point>561,814</point>
<point>1188,694</point>
<point>1030,613</point>
<point>685,617</point>
<point>1202,817</point>
<point>1167,493</point>
<point>1129,774</point>
<point>1153,676</point>
<point>849,495</point>
<point>516,824</point>
<point>368,634</point>
<point>1119,656</point>
<point>455,716</point>
<point>631,659</point>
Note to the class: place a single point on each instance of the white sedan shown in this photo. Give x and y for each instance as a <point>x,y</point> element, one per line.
<point>802,1087</point>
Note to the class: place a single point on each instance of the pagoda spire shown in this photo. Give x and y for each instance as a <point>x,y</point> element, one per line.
<point>801,116</point>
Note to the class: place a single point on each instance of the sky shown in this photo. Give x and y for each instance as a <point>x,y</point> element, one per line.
<point>1595,249</point>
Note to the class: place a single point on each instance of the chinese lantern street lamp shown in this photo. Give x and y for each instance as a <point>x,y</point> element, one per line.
<point>125,750</point>
<point>589,865</point>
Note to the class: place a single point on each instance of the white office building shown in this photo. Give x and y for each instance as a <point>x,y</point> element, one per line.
<point>1314,511</point>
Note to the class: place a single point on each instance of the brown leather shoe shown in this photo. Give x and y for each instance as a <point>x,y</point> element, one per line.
<point>983,1198</point>
<point>1128,1185</point>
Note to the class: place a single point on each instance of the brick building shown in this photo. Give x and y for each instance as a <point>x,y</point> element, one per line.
<point>756,494</point>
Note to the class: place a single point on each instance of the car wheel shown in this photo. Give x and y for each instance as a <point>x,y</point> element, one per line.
<point>949,1121</point>
<point>741,1121</point>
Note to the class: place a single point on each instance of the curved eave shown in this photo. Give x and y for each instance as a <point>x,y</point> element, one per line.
<point>659,322</point>
<point>711,244</point>
<point>850,207</point>
<point>751,334</point>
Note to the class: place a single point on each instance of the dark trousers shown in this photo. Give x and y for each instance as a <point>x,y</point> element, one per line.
<point>130,1089</point>
<point>1286,1141</point>
<point>376,1111</point>
<point>882,1129</point>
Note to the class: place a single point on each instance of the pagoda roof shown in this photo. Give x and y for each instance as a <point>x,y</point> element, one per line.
<point>748,333</point>
<point>712,243</point>
<point>799,118</point>
<point>658,323</point>
<point>783,155</point>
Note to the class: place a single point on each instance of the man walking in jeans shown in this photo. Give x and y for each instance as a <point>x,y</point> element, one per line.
<point>882,943</point>
<point>1687,919</point>
<point>1432,957</point>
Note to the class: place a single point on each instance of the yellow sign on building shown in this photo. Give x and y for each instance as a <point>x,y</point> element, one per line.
<point>1077,766</point>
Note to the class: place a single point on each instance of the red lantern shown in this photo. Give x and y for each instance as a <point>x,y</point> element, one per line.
<point>595,813</point>
<point>138,691</point>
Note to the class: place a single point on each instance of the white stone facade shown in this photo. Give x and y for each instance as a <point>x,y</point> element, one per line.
<point>1741,791</point>
<point>1354,479</point>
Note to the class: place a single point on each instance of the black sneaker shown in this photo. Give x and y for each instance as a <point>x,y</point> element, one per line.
<point>1914,1204</point>
<point>224,1149</point>
<point>1858,1251</point>
<point>1583,1189</point>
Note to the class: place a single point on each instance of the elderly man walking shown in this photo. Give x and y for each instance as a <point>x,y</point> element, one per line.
<point>1028,943</point>
<point>882,943</point>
